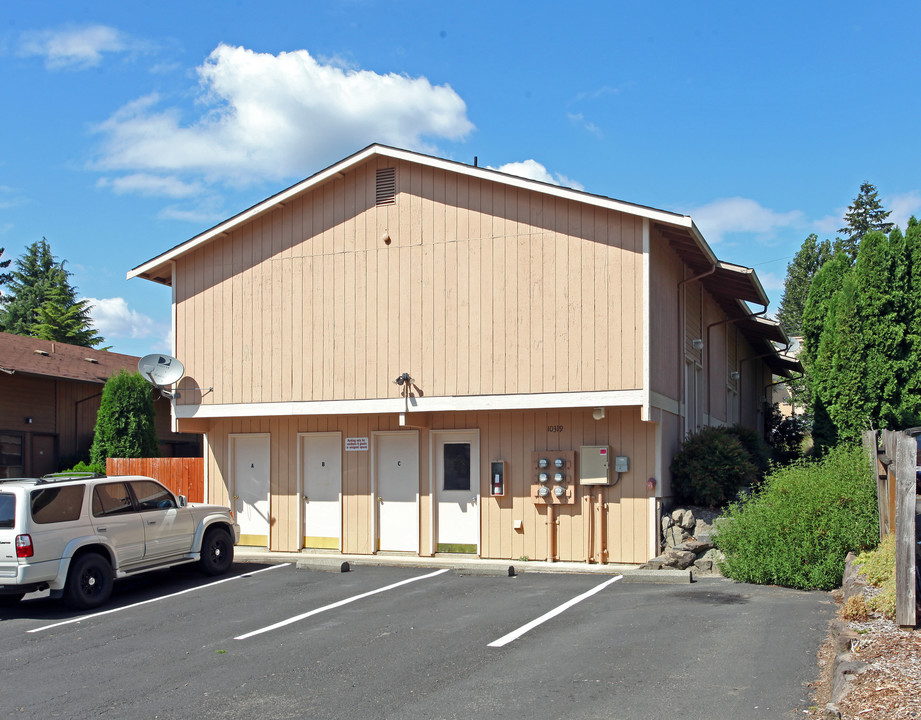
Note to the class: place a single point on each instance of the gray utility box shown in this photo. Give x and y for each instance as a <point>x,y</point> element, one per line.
<point>595,465</point>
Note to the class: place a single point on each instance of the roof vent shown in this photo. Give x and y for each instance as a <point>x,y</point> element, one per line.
<point>41,352</point>
<point>386,193</point>
<point>92,360</point>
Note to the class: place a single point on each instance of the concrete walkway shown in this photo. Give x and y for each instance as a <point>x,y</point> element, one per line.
<point>333,561</point>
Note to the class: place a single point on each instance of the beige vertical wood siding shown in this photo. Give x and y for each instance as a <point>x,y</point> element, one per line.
<point>666,272</point>
<point>508,436</point>
<point>483,289</point>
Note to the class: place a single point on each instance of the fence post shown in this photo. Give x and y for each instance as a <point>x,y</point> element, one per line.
<point>905,612</point>
<point>882,503</point>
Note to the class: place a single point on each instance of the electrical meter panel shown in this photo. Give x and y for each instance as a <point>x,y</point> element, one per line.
<point>553,477</point>
<point>595,465</point>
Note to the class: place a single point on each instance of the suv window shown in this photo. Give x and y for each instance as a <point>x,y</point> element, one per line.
<point>152,496</point>
<point>57,504</point>
<point>111,499</point>
<point>7,511</point>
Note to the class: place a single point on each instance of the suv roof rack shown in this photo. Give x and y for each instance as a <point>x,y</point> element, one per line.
<point>63,476</point>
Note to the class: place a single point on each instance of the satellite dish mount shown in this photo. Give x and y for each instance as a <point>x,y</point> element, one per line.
<point>161,370</point>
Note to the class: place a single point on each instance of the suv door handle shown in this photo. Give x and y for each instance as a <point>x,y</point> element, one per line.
<point>151,522</point>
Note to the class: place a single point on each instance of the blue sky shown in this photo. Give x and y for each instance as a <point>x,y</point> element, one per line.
<point>130,127</point>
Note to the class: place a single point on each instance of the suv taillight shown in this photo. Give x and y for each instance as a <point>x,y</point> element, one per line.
<point>23,546</point>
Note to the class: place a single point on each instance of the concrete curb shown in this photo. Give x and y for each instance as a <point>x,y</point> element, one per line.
<point>844,666</point>
<point>335,562</point>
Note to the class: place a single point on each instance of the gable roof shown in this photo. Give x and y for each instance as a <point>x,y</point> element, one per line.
<point>32,356</point>
<point>158,268</point>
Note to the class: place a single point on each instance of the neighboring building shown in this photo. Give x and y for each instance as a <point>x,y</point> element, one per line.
<point>49,396</point>
<point>782,394</point>
<point>532,321</point>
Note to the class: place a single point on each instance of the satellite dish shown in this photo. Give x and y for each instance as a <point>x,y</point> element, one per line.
<point>160,369</point>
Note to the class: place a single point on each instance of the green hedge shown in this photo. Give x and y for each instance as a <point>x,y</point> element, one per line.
<point>797,529</point>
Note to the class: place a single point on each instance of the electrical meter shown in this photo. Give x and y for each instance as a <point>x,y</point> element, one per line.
<point>544,491</point>
<point>559,491</point>
<point>543,477</point>
<point>559,462</point>
<point>543,462</point>
<point>558,477</point>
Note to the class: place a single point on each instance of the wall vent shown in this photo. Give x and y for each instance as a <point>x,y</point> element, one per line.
<point>386,193</point>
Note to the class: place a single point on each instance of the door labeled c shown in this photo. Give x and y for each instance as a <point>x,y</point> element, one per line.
<point>396,461</point>
<point>457,491</point>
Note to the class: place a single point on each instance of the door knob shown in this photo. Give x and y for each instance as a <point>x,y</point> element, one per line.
<point>380,499</point>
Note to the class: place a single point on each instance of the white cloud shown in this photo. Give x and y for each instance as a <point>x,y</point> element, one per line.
<point>533,170</point>
<point>10,197</point>
<point>903,207</point>
<point>579,119</point>
<point>156,185</point>
<point>771,281</point>
<point>830,224</point>
<point>76,48</point>
<point>266,116</point>
<point>730,215</point>
<point>114,319</point>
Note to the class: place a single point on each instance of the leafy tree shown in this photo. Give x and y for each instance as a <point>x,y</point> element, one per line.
<point>125,424</point>
<point>43,303</point>
<point>864,215</point>
<point>800,271</point>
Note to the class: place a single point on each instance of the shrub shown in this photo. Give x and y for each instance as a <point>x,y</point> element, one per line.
<point>711,467</point>
<point>878,566</point>
<point>88,467</point>
<point>125,423</point>
<point>754,444</point>
<point>855,608</point>
<point>797,529</point>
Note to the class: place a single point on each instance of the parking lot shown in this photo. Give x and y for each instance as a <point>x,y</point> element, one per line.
<point>389,642</point>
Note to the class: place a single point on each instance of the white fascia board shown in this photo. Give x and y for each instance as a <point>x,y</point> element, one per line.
<point>281,198</point>
<point>466,403</point>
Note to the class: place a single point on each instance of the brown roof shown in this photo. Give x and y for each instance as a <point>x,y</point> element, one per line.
<point>31,356</point>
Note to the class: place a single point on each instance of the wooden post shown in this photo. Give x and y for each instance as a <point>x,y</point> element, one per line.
<point>870,447</point>
<point>905,613</point>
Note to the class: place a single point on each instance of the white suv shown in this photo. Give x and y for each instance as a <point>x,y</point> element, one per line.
<point>77,534</point>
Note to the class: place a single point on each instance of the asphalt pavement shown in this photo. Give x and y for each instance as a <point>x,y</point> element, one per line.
<point>278,641</point>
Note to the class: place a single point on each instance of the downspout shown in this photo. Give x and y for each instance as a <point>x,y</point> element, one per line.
<point>681,333</point>
<point>709,364</point>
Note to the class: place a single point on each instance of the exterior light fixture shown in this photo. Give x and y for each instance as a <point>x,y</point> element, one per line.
<point>734,375</point>
<point>698,344</point>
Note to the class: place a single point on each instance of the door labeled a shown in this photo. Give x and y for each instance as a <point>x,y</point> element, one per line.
<point>397,472</point>
<point>457,491</point>
<point>251,488</point>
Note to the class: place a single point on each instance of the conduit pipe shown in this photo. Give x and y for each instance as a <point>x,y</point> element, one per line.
<point>681,333</point>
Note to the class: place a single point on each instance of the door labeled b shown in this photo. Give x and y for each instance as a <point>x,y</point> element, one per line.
<point>321,468</point>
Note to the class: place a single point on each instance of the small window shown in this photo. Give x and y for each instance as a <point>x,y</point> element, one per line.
<point>10,455</point>
<point>457,466</point>
<point>57,504</point>
<point>7,511</point>
<point>111,499</point>
<point>152,496</point>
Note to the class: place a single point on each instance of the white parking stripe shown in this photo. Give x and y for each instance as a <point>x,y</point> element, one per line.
<point>514,635</point>
<point>298,618</point>
<point>152,600</point>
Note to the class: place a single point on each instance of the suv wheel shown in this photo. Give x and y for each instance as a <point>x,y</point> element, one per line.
<point>216,552</point>
<point>89,582</point>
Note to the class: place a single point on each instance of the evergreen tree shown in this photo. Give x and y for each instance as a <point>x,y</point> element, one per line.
<point>125,424</point>
<point>800,271</point>
<point>864,215</point>
<point>43,303</point>
<point>4,277</point>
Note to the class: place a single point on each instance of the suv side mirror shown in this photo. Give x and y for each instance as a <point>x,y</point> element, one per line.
<point>183,501</point>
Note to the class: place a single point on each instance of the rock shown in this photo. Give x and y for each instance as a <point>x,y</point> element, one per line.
<point>695,546</point>
<point>666,523</point>
<point>832,712</point>
<point>688,521</point>
<point>844,669</point>
<point>702,531</point>
<point>657,563</point>
<point>704,565</point>
<point>680,559</point>
<point>675,535</point>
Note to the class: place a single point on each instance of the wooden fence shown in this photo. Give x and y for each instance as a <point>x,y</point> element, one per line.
<point>895,460</point>
<point>184,476</point>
